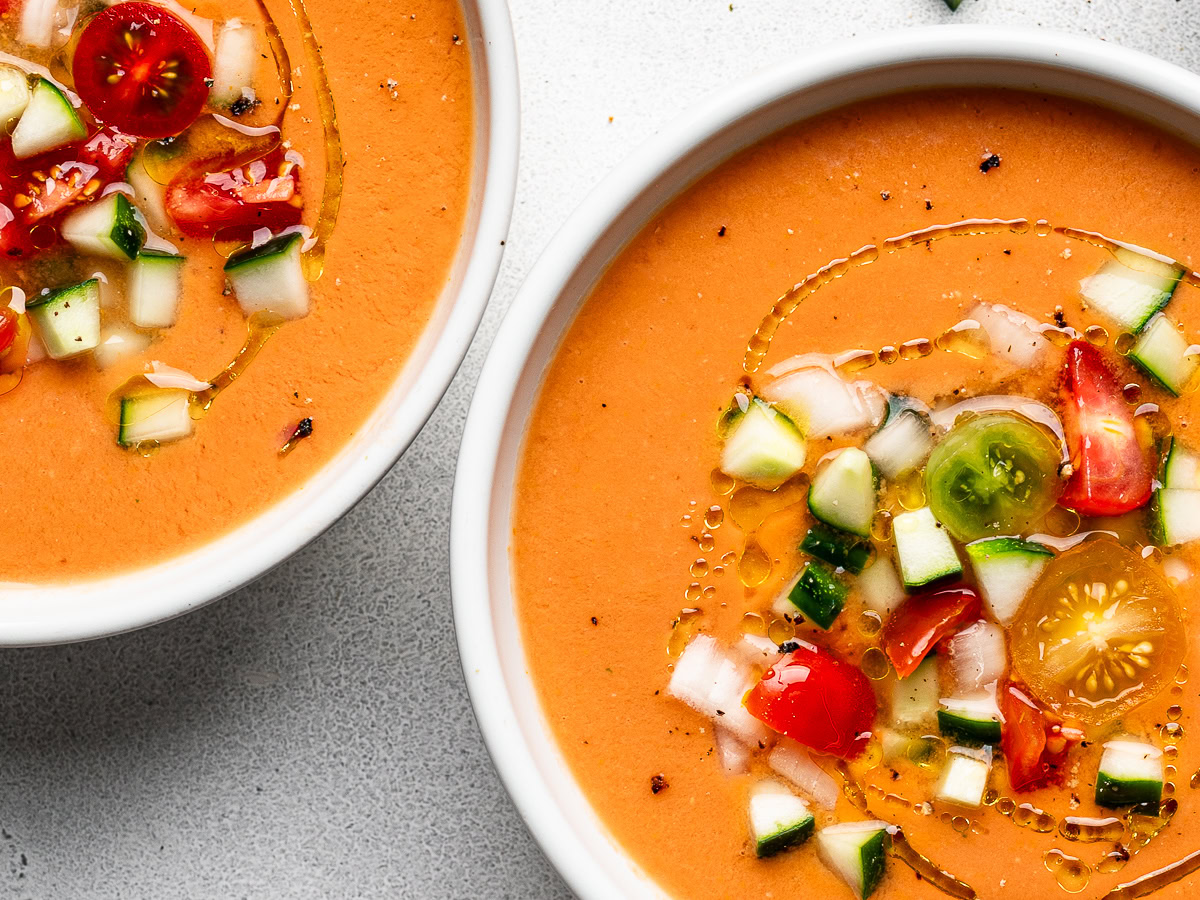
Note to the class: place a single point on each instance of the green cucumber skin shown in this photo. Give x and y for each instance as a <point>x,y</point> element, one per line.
<point>277,246</point>
<point>126,411</point>
<point>819,595</point>
<point>1113,793</point>
<point>128,233</point>
<point>872,864</point>
<point>981,550</point>
<point>783,840</point>
<point>954,4</point>
<point>969,731</point>
<point>839,549</point>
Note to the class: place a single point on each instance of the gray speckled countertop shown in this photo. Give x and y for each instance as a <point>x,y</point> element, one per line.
<point>309,737</point>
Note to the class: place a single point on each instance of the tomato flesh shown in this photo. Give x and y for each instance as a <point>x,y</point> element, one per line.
<point>817,699</point>
<point>8,329</point>
<point>1034,742</point>
<point>922,620</point>
<point>1111,472</point>
<point>234,203</point>
<point>142,69</point>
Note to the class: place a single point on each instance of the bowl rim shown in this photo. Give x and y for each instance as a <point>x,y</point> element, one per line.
<point>475,535</point>
<point>40,614</point>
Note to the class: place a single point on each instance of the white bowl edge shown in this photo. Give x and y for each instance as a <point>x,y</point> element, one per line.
<point>504,699</point>
<point>53,614</point>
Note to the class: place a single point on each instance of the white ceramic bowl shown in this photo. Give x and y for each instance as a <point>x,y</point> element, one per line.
<point>488,635</point>
<point>47,615</point>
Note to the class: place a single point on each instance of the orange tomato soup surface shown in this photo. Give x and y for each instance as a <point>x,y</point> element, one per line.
<point>628,543</point>
<point>76,504</point>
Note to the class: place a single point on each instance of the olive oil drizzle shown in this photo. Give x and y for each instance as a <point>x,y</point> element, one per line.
<point>1156,880</point>
<point>760,342</point>
<point>259,329</point>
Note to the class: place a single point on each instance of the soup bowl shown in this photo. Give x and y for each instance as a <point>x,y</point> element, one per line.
<point>40,614</point>
<point>490,641</point>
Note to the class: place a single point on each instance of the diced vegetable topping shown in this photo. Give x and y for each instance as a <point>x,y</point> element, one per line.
<point>971,720</point>
<point>270,278</point>
<point>978,656</point>
<point>49,121</point>
<point>922,621</point>
<point>794,763</point>
<point>155,286</point>
<point>1111,474</point>
<point>1131,773</point>
<point>68,320</point>
<point>1166,355</point>
<point>880,586</point>
<point>158,415</point>
<point>855,851</point>
<point>1131,288</point>
<point>843,492</point>
<point>818,594</point>
<point>106,228</point>
<point>965,776</point>
<point>924,549</point>
<point>903,443</point>
<point>1006,568</point>
<point>840,550</point>
<point>822,404</point>
<point>778,818</point>
<point>714,684</point>
<point>992,474</point>
<point>915,698</point>
<point>1011,335</point>
<point>817,699</point>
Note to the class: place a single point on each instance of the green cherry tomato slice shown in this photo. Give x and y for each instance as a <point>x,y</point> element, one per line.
<point>993,474</point>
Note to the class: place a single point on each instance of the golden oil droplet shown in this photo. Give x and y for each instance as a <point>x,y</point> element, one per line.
<point>753,623</point>
<point>686,521</point>
<point>1132,393</point>
<point>1124,343</point>
<point>888,355</point>
<point>990,796</point>
<point>1059,337</point>
<point>870,623</point>
<point>918,348</point>
<point>1170,751</point>
<point>1176,690</point>
<point>1042,228</point>
<point>1170,771</point>
<point>911,490</point>
<point>945,818</point>
<point>1168,787</point>
<point>928,751</point>
<point>960,824</point>
<point>1174,712</point>
<point>729,559</point>
<point>1096,335</point>
<point>709,592</point>
<point>713,517</point>
<point>754,567</point>
<point>881,525</point>
<point>874,663</point>
<point>967,338</point>
<point>1113,861</point>
<point>1086,830</point>
<point>854,361</point>
<point>1006,806</point>
<point>1071,873</point>
<point>699,568</point>
<point>1029,816</point>
<point>692,592</point>
<point>1156,422</point>
<point>1062,522</point>
<point>1171,732</point>
<point>718,571</point>
<point>683,629</point>
<point>1181,676</point>
<point>781,631</point>
<point>721,482</point>
<point>1195,780</point>
<point>706,542</point>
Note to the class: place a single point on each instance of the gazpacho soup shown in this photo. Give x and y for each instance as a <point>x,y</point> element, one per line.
<point>209,277</point>
<point>855,531</point>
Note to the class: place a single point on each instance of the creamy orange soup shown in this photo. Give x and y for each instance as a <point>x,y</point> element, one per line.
<point>77,503</point>
<point>631,547</point>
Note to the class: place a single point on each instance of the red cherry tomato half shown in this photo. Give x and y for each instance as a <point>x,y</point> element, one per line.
<point>924,619</point>
<point>1034,741</point>
<point>8,329</point>
<point>232,203</point>
<point>142,69</point>
<point>1111,472</point>
<point>817,699</point>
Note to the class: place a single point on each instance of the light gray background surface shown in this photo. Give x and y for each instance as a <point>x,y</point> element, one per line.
<point>309,737</point>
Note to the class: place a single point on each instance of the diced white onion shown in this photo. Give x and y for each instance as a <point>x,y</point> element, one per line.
<point>733,754</point>
<point>792,761</point>
<point>713,684</point>
<point>164,376</point>
<point>16,300</point>
<point>1011,334</point>
<point>977,656</point>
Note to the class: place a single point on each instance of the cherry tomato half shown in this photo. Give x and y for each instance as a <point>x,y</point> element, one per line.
<point>142,69</point>
<point>1112,474</point>
<point>1034,741</point>
<point>234,203</point>
<point>817,699</point>
<point>924,619</point>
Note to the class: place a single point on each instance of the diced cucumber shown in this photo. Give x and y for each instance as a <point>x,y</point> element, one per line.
<point>149,196</point>
<point>972,720</point>
<point>1176,516</point>
<point>778,818</point>
<point>762,446</point>
<point>49,121</point>
<point>819,594</point>
<point>822,404</point>
<point>837,548</point>
<point>880,586</point>
<point>924,548</point>
<point>1131,288</point>
<point>855,851</point>
<point>14,94</point>
<point>1163,352</point>
<point>158,415</point>
<point>1131,773</point>
<point>1181,467</point>
<point>117,344</point>
<point>155,286</point>
<point>965,776</point>
<point>843,493</point>
<point>915,698</point>
<point>270,277</point>
<point>1006,568</point>
<point>902,444</point>
<point>108,227</point>
<point>233,62</point>
<point>68,320</point>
